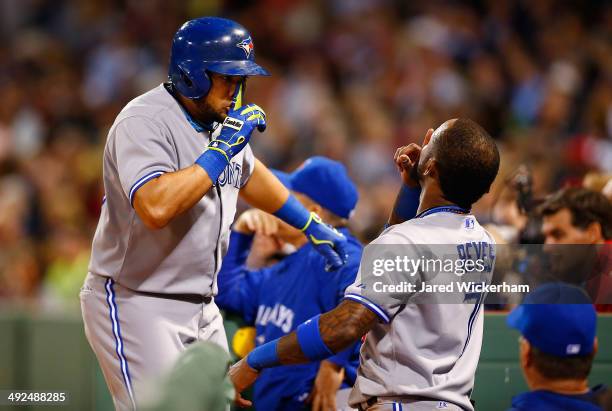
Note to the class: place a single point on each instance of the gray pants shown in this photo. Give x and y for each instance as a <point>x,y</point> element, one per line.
<point>137,337</point>
<point>402,404</point>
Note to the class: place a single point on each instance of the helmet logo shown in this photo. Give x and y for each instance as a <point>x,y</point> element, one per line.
<point>247,46</point>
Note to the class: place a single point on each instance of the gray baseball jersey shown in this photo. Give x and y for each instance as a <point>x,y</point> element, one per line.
<point>426,351</point>
<point>151,136</point>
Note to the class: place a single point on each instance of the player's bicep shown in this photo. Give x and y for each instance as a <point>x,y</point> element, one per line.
<point>143,153</point>
<point>360,292</point>
<point>346,324</point>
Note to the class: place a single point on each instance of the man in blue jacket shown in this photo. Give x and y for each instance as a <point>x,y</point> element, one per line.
<point>278,298</point>
<point>558,342</point>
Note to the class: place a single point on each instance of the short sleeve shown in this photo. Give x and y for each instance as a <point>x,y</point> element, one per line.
<point>354,292</point>
<point>248,165</point>
<point>143,153</point>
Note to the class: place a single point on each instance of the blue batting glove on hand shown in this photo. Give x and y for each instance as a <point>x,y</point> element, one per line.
<point>235,134</point>
<point>327,241</point>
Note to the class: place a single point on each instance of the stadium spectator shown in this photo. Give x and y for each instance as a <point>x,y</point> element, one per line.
<point>351,81</point>
<point>577,229</point>
<point>577,216</point>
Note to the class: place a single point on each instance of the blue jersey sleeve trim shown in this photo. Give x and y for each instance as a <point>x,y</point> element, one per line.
<point>371,305</point>
<point>142,181</point>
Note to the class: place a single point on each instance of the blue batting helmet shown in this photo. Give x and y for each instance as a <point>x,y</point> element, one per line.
<point>210,44</point>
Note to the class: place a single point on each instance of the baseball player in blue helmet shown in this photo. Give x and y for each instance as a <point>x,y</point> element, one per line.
<point>175,161</point>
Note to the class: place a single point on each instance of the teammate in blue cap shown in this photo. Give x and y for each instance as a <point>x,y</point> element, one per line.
<point>278,298</point>
<point>558,342</point>
<point>175,161</point>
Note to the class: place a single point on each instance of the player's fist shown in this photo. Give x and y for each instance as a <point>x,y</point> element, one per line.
<point>237,128</point>
<point>257,221</point>
<point>242,376</point>
<point>235,134</point>
<point>406,159</point>
<point>327,241</point>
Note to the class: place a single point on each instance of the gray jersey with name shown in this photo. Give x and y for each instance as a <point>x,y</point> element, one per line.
<point>152,136</point>
<point>422,350</point>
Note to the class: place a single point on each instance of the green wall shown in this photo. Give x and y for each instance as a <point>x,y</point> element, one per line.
<point>44,352</point>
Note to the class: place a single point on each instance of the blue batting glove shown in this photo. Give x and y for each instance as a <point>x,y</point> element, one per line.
<point>235,134</point>
<point>327,241</point>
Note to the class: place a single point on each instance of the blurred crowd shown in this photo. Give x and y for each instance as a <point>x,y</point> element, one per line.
<point>352,80</point>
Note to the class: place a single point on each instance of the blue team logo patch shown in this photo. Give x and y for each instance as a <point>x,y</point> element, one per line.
<point>469,223</point>
<point>442,405</point>
<point>247,46</point>
<point>572,349</point>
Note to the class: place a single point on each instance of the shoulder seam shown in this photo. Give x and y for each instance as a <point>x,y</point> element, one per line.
<point>141,116</point>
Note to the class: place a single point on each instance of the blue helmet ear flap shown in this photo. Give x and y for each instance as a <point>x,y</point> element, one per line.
<point>191,82</point>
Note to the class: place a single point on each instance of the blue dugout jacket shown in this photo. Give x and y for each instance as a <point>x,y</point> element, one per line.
<point>276,300</point>
<point>542,400</point>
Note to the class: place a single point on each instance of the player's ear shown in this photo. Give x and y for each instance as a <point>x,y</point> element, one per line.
<point>428,137</point>
<point>430,168</point>
<point>525,353</point>
<point>594,231</point>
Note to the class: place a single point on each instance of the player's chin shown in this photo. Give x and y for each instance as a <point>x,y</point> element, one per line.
<point>221,115</point>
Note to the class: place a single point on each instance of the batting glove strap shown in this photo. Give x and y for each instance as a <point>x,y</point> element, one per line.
<point>311,342</point>
<point>213,161</point>
<point>293,213</point>
<point>328,241</point>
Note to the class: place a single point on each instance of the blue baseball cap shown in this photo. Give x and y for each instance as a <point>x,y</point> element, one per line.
<point>557,318</point>
<point>325,181</point>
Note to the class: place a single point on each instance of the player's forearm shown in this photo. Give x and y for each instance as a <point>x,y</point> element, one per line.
<point>162,199</point>
<point>264,190</point>
<point>337,330</point>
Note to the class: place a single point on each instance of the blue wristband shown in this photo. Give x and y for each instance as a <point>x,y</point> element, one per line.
<point>213,162</point>
<point>264,356</point>
<point>408,202</point>
<point>310,340</point>
<point>293,213</point>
